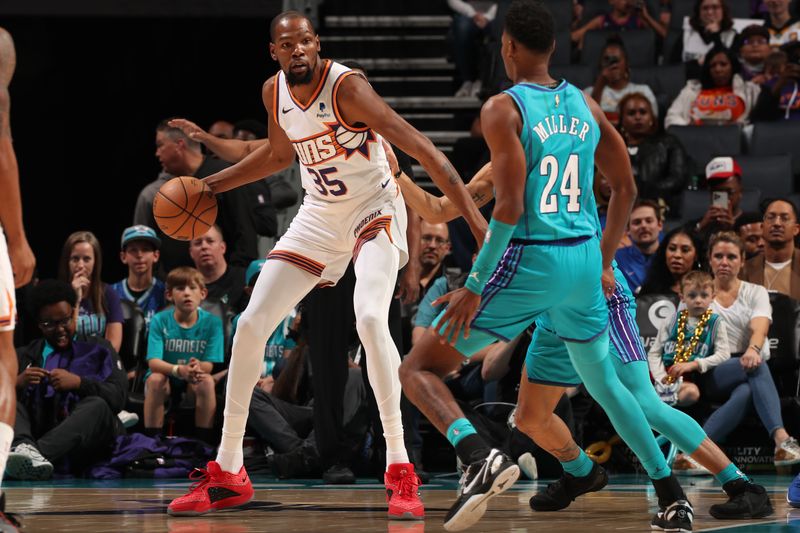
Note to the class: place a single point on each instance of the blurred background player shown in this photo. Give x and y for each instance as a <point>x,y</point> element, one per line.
<point>16,264</point>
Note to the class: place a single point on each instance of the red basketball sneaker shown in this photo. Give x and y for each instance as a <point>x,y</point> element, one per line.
<point>214,489</point>
<point>402,492</point>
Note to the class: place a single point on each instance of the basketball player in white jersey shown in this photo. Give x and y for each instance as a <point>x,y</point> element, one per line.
<point>330,119</point>
<point>16,265</point>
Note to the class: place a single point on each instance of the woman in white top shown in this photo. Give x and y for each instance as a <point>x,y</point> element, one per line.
<point>747,313</point>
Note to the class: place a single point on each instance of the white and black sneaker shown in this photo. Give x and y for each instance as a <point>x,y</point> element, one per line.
<point>675,518</point>
<point>481,481</point>
<point>25,462</point>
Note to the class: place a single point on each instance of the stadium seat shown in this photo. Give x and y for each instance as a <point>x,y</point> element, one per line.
<point>680,9</point>
<point>563,51</point>
<point>777,138</point>
<point>562,13</point>
<point>771,174</point>
<point>133,349</point>
<point>665,81</point>
<point>578,75</point>
<point>639,44</point>
<point>740,9</point>
<point>703,143</point>
<point>669,48</point>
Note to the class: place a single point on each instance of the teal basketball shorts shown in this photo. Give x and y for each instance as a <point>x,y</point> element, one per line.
<point>559,278</point>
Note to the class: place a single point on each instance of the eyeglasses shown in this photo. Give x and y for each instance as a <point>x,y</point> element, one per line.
<point>431,239</point>
<point>52,325</point>
<point>755,41</point>
<point>711,7</point>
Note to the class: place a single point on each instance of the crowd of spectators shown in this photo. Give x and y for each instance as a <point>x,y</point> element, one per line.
<point>87,374</point>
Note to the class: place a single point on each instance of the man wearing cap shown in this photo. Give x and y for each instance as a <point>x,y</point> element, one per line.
<point>724,179</point>
<point>778,268</point>
<point>224,282</point>
<point>140,252</point>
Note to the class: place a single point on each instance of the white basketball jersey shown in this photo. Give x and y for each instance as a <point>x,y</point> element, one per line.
<point>339,162</point>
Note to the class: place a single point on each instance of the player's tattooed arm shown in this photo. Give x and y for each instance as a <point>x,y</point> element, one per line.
<point>8,62</point>
<point>566,453</point>
<point>452,174</point>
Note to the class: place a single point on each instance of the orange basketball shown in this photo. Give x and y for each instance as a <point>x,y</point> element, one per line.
<point>185,208</point>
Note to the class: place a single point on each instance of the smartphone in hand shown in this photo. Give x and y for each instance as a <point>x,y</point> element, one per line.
<point>719,199</point>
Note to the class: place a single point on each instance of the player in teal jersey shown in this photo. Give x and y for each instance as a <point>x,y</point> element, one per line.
<point>550,371</point>
<point>545,138</point>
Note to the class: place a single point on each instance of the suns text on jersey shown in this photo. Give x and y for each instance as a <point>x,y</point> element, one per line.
<point>318,148</point>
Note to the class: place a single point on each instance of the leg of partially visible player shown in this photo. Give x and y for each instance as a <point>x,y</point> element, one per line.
<point>8,404</point>
<point>279,287</point>
<point>536,418</point>
<point>376,268</point>
<point>488,471</point>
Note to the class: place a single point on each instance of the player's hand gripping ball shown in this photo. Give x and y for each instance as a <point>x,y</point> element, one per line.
<point>185,208</point>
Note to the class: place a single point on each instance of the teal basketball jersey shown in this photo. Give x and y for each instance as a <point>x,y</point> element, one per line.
<point>559,136</point>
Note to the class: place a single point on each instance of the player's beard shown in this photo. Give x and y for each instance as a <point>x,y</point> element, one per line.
<point>305,79</point>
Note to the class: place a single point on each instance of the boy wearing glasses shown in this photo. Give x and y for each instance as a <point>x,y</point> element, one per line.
<point>778,268</point>
<point>68,391</point>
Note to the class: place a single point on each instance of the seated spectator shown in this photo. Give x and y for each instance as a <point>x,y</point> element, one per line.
<point>182,345</point>
<point>659,162</point>
<point>222,281</point>
<point>139,253</point>
<point>724,180</point>
<point>783,28</point>
<point>754,48</point>
<point>435,240</point>
<point>779,98</point>
<point>644,229</point>
<point>613,81</point>
<point>778,268</point>
<point>624,15</point>
<point>221,129</point>
<point>710,26</point>
<point>719,97</point>
<point>749,227</point>
<point>68,390</point>
<point>744,379</point>
<point>471,21</point>
<point>679,253</point>
<point>249,130</point>
<point>99,311</point>
<point>690,343</point>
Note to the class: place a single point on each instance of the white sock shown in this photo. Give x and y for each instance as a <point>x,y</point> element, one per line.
<point>279,287</point>
<point>6,437</point>
<point>376,274</point>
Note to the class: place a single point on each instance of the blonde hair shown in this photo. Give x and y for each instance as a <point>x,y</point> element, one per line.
<point>183,276</point>
<point>725,236</point>
<point>696,278</point>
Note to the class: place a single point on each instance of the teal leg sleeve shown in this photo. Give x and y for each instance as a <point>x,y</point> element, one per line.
<point>595,368</point>
<point>676,425</point>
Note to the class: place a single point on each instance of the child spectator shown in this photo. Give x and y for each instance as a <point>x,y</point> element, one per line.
<point>780,98</point>
<point>182,345</point>
<point>140,253</point>
<point>695,340</point>
<point>99,312</point>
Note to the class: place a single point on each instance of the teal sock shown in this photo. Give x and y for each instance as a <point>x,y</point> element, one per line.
<point>459,429</point>
<point>579,467</point>
<point>596,369</point>
<point>730,473</point>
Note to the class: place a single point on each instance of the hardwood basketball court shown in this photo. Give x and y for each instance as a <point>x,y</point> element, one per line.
<point>309,506</point>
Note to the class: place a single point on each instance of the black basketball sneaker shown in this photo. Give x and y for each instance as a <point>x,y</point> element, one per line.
<point>480,482</point>
<point>563,492</point>
<point>746,500</point>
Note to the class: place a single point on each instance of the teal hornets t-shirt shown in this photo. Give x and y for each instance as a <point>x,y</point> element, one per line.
<point>277,344</point>
<point>175,344</point>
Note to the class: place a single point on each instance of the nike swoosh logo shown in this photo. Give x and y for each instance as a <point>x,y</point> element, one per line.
<point>385,183</point>
<point>284,110</point>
